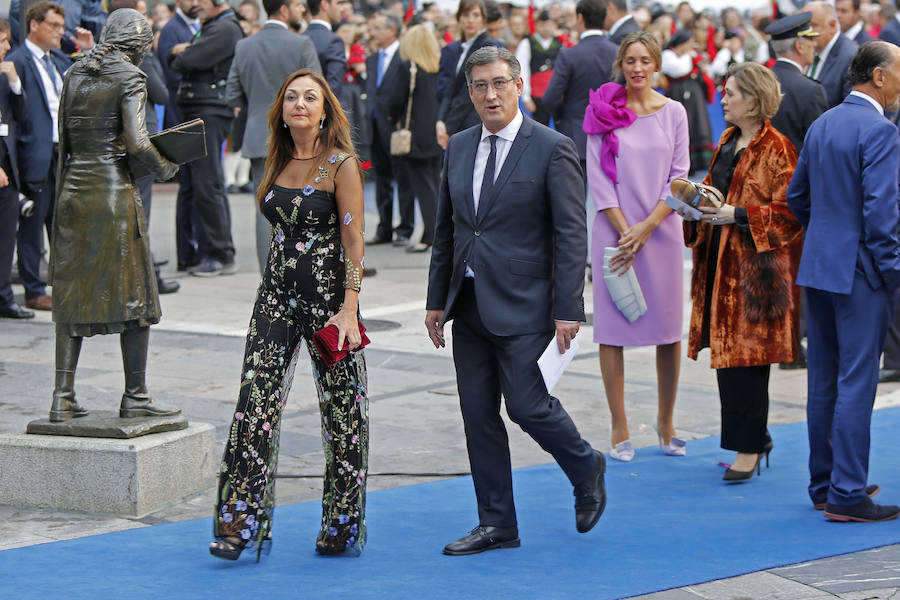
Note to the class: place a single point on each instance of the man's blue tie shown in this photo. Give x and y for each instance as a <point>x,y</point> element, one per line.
<point>380,73</point>
<point>51,71</point>
<point>488,181</point>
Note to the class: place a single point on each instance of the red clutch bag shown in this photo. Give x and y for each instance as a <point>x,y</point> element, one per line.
<point>326,342</point>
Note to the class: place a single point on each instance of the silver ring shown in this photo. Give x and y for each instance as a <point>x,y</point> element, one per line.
<point>715,219</point>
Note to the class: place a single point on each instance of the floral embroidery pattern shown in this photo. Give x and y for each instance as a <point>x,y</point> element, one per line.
<point>301,289</point>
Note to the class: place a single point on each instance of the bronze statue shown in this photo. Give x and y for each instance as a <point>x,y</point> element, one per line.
<point>100,267</point>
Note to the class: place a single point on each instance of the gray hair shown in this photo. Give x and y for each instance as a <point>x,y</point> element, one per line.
<point>392,20</point>
<point>783,47</point>
<point>490,54</point>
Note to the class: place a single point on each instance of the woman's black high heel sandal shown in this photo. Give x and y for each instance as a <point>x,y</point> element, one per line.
<point>226,549</point>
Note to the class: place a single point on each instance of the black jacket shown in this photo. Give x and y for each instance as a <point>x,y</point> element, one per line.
<point>332,57</point>
<point>424,109</point>
<point>802,103</point>
<point>207,61</point>
<point>378,97</point>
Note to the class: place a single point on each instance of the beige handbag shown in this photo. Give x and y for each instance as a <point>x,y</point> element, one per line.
<point>401,139</point>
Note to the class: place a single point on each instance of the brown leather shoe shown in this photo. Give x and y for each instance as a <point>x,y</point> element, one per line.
<point>42,302</point>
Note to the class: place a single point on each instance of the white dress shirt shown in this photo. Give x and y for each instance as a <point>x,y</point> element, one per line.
<point>862,95</point>
<point>854,31</point>
<point>505,139</point>
<point>49,85</point>
<point>823,56</point>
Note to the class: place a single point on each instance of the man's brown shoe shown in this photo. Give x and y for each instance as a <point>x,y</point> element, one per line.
<point>42,302</point>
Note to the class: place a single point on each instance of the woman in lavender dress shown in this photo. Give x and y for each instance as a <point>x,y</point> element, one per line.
<point>637,144</point>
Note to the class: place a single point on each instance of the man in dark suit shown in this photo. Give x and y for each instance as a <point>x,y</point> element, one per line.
<point>12,112</point>
<point>322,15</point>
<point>181,28</point>
<point>619,21</point>
<point>261,64</point>
<point>456,112</point>
<point>833,53</point>
<point>40,66</point>
<point>844,193</point>
<point>507,267</point>
<point>891,31</point>
<point>204,63</point>
<point>579,69</point>
<point>851,22</point>
<point>383,72</point>
<point>803,99</point>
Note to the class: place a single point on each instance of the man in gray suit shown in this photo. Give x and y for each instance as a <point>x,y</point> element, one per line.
<point>261,64</point>
<point>507,266</point>
<point>619,21</point>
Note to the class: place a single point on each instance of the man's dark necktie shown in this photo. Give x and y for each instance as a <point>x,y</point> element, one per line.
<point>51,71</point>
<point>488,181</point>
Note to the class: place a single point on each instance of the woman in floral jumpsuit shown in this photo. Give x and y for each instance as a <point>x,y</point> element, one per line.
<point>312,195</point>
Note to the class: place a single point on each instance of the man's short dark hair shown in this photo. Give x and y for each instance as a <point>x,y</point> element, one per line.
<point>313,6</point>
<point>112,5</point>
<point>621,5</point>
<point>490,54</point>
<point>273,6</point>
<point>593,12</point>
<point>492,12</point>
<point>38,12</point>
<point>870,56</point>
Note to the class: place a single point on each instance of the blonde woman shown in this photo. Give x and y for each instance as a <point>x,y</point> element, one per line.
<point>420,170</point>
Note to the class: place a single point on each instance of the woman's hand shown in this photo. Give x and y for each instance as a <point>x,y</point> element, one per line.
<point>348,327</point>
<point>621,262</point>
<point>634,238</point>
<point>717,216</point>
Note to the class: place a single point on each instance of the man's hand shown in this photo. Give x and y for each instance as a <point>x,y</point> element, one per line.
<point>4,180</point>
<point>433,319</point>
<point>441,131</point>
<point>179,48</point>
<point>565,333</point>
<point>83,38</point>
<point>9,69</point>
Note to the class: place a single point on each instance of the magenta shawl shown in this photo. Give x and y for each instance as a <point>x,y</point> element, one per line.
<point>605,113</point>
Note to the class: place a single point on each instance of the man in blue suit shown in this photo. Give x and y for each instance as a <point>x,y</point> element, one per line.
<point>833,52</point>
<point>323,14</point>
<point>41,67</point>
<point>844,193</point>
<point>850,19</point>
<point>891,31</point>
<point>507,266</point>
<point>578,70</point>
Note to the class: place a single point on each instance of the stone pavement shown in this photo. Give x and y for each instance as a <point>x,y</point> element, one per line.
<point>416,431</point>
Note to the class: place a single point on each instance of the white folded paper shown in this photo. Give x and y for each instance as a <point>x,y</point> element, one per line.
<point>552,364</point>
<point>624,290</point>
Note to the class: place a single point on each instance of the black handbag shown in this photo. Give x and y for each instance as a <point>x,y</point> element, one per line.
<point>192,93</point>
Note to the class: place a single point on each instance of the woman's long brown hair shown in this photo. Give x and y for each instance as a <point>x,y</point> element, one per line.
<point>335,134</point>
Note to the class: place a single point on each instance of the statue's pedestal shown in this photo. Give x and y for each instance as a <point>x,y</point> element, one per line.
<point>131,477</point>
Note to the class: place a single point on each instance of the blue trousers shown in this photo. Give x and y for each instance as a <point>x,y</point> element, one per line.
<point>845,333</point>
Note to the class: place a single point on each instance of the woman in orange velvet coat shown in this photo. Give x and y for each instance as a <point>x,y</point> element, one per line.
<point>746,253</point>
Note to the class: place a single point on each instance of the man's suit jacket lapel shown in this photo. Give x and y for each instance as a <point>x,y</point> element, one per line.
<point>391,69</point>
<point>470,148</point>
<point>515,153</point>
<point>35,75</point>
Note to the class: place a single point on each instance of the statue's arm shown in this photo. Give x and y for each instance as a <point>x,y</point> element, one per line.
<point>134,130</point>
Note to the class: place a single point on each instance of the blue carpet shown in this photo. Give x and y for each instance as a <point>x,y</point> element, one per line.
<point>670,522</point>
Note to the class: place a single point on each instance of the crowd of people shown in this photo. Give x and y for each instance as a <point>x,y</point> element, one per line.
<point>537,142</point>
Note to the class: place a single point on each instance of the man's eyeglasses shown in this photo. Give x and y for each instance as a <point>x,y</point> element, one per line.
<point>481,87</point>
<point>54,26</point>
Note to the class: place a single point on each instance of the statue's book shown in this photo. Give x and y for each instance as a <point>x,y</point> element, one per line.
<point>180,144</point>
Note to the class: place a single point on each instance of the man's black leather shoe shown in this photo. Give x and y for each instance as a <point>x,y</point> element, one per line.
<point>167,286</point>
<point>14,311</point>
<point>888,375</point>
<point>401,241</point>
<point>864,512</point>
<point>484,538</point>
<point>590,496</point>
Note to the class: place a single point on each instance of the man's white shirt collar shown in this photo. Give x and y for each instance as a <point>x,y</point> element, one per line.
<point>871,100</point>
<point>186,18</point>
<point>790,62</point>
<point>321,22</point>
<point>854,31</point>
<point>617,24</point>
<point>509,132</point>
<point>277,22</point>
<point>823,55</point>
<point>590,32</point>
<point>389,52</point>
